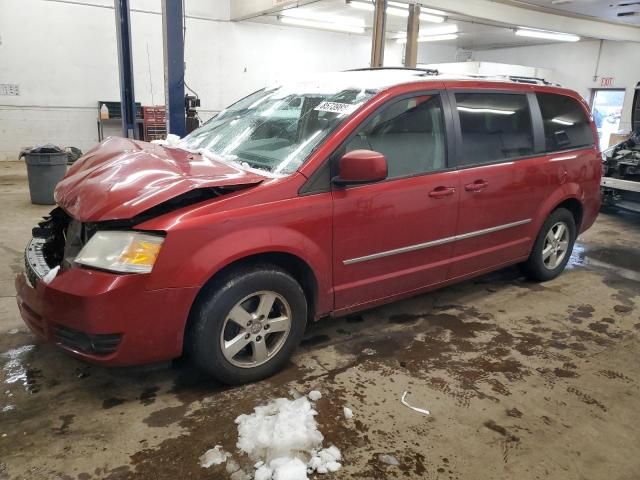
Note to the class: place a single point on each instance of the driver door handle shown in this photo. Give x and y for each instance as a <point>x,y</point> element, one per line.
<point>442,192</point>
<point>476,186</point>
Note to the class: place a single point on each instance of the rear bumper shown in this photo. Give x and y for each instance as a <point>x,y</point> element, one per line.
<point>106,318</point>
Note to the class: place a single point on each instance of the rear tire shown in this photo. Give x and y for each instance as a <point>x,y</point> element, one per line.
<point>247,324</point>
<point>552,248</point>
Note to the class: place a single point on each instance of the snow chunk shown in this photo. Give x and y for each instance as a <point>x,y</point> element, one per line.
<point>214,456</point>
<point>263,473</point>
<point>314,395</point>
<point>288,469</point>
<point>388,459</point>
<point>171,141</point>
<point>326,460</point>
<point>283,438</point>
<point>348,413</point>
<point>51,274</point>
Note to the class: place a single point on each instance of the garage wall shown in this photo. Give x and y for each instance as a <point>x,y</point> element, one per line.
<point>575,64</point>
<point>63,56</point>
<point>436,53</point>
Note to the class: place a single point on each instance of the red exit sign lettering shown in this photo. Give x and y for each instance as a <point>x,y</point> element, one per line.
<point>606,82</point>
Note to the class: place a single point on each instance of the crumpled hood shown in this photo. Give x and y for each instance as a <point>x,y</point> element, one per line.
<point>121,178</point>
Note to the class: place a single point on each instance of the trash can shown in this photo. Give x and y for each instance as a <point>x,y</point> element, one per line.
<point>46,165</point>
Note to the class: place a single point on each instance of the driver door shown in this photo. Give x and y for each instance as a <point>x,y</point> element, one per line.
<point>394,237</point>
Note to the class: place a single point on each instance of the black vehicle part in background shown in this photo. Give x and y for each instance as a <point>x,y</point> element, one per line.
<point>635,112</point>
<point>192,102</point>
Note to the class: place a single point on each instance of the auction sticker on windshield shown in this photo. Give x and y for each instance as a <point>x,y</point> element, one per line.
<point>336,107</point>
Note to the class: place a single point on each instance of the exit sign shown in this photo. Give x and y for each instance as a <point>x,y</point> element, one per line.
<point>606,81</point>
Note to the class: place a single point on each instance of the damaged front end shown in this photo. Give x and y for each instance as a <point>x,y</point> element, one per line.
<point>58,239</point>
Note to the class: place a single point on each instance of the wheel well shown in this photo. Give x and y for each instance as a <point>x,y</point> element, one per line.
<point>295,266</point>
<point>575,207</point>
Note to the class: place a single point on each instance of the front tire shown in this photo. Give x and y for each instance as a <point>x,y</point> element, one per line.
<point>552,248</point>
<point>247,324</point>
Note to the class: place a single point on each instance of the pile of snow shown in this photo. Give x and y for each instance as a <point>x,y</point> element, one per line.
<point>283,437</point>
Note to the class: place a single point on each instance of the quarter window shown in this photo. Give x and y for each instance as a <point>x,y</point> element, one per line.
<point>409,133</point>
<point>566,124</point>
<point>494,127</point>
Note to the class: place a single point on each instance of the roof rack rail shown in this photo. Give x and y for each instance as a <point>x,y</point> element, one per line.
<point>425,71</point>
<point>531,80</point>
<point>511,78</point>
<point>435,72</point>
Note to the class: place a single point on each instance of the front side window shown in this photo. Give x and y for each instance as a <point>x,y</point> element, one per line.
<point>494,127</point>
<point>409,133</point>
<point>275,130</point>
<point>566,124</point>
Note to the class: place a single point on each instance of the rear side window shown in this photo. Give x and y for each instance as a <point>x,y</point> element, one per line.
<point>494,127</point>
<point>409,133</point>
<point>566,124</point>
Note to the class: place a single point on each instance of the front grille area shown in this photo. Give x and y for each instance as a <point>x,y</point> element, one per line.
<point>97,344</point>
<point>29,271</point>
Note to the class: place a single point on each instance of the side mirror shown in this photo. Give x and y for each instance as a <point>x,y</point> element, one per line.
<point>361,166</point>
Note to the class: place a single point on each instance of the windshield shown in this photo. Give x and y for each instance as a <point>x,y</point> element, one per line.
<point>275,130</point>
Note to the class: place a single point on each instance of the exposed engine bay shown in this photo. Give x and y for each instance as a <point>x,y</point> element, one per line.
<point>620,182</point>
<point>624,160</point>
<point>621,174</point>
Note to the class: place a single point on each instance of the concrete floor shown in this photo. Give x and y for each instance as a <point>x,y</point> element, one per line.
<point>522,380</point>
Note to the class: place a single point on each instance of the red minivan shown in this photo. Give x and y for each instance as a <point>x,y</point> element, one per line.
<point>306,200</point>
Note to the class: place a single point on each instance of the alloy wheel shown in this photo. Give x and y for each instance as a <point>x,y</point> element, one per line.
<point>556,245</point>
<point>255,329</point>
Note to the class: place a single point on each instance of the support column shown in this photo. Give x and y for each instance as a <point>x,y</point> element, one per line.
<point>125,66</point>
<point>413,30</point>
<point>173,47</point>
<point>377,39</point>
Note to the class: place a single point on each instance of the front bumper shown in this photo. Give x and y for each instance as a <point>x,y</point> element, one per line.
<point>101,317</point>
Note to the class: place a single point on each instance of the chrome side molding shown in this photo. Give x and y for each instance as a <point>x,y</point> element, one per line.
<point>435,243</point>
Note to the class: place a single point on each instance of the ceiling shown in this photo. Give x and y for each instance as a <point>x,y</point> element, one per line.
<point>471,33</point>
<point>620,11</point>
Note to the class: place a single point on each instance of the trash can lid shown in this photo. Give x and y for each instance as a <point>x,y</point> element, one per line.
<point>46,148</point>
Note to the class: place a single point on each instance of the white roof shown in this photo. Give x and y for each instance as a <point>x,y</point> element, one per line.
<point>372,80</point>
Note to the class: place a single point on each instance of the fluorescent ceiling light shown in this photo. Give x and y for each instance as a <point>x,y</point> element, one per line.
<point>430,38</point>
<point>301,22</point>
<point>306,14</point>
<point>433,11</point>
<point>426,17</point>
<point>442,30</point>
<point>562,122</point>
<point>430,31</point>
<point>486,110</point>
<point>397,12</point>
<point>561,37</point>
<point>363,6</point>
